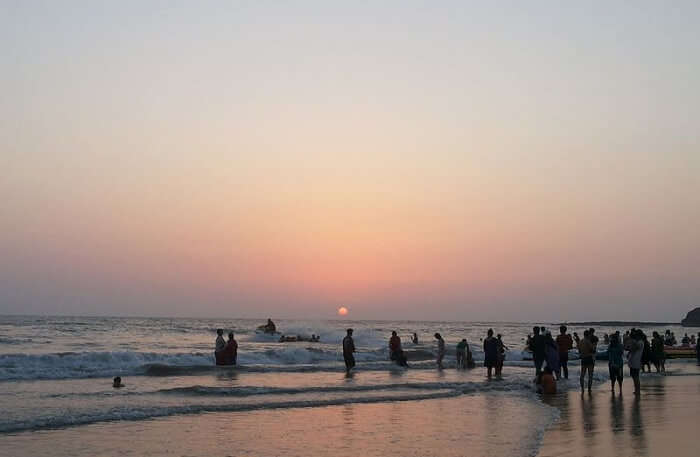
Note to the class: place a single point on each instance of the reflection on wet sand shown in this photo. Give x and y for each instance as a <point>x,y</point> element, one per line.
<point>661,421</point>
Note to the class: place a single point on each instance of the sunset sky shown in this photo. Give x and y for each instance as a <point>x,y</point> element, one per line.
<point>407,160</point>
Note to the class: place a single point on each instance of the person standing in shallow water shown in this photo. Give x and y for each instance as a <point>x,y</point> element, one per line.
<point>490,352</point>
<point>502,348</point>
<point>564,343</point>
<point>586,350</point>
<point>616,362</point>
<point>658,354</point>
<point>537,348</point>
<point>219,347</point>
<point>634,358</point>
<point>348,350</point>
<point>231,350</point>
<point>440,350</point>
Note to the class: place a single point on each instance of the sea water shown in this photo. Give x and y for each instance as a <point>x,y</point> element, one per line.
<point>56,372</point>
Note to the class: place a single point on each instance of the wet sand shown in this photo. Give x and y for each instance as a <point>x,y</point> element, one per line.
<point>473,425</point>
<point>662,421</point>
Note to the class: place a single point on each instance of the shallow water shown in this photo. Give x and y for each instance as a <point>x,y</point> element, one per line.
<point>55,382</point>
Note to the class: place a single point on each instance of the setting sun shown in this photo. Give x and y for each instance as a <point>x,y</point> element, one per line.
<point>342,311</point>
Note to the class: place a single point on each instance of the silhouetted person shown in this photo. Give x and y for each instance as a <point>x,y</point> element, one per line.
<point>658,354</point>
<point>634,358</point>
<point>348,350</point>
<point>502,348</point>
<point>537,348</point>
<point>414,338</point>
<point>440,350</point>
<point>395,351</point>
<point>586,350</point>
<point>564,344</point>
<point>117,382</point>
<point>546,384</point>
<point>616,361</point>
<point>490,352</point>
<point>462,354</point>
<point>231,350</point>
<point>219,347</point>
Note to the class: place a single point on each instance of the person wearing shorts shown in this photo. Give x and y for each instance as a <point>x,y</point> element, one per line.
<point>615,361</point>
<point>586,350</point>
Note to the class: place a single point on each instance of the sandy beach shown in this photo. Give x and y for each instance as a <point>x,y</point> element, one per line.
<point>662,421</point>
<point>486,424</point>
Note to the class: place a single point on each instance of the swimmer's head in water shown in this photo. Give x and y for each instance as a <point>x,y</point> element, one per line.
<point>117,382</point>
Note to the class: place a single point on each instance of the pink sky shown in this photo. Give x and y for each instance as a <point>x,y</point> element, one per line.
<point>408,163</point>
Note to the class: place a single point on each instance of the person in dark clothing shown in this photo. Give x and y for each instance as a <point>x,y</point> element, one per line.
<point>615,361</point>
<point>658,355</point>
<point>537,346</point>
<point>490,352</point>
<point>592,338</point>
<point>348,350</point>
<point>231,350</point>
<point>646,353</point>
<point>395,352</point>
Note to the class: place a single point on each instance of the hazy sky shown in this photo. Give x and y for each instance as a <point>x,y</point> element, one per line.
<point>408,160</point>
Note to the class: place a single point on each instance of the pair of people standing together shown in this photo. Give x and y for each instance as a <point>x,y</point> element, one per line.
<point>225,352</point>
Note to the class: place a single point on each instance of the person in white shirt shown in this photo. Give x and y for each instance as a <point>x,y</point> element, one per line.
<point>634,358</point>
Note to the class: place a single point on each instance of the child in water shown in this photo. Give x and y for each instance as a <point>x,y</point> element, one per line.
<point>546,383</point>
<point>117,382</point>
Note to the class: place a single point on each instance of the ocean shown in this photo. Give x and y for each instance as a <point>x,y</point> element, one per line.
<point>56,374</point>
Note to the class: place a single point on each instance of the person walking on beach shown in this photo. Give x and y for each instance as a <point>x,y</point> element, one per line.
<point>348,350</point>
<point>440,350</point>
<point>616,362</point>
<point>414,338</point>
<point>537,348</point>
<point>586,351</point>
<point>564,344</point>
<point>634,358</point>
<point>490,352</point>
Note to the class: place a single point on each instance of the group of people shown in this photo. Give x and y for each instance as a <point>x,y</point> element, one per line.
<point>225,352</point>
<point>300,338</point>
<point>550,355</point>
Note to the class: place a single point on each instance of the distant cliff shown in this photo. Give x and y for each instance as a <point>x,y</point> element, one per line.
<point>692,319</point>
